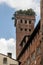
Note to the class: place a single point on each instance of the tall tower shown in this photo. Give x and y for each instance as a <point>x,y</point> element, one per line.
<point>41,29</point>
<point>24,27</point>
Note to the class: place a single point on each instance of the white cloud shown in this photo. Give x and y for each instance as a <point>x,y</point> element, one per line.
<point>8,46</point>
<point>23,4</point>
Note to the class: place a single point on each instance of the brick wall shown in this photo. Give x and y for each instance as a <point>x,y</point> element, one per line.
<point>41,28</point>
<point>24,26</point>
<point>35,50</point>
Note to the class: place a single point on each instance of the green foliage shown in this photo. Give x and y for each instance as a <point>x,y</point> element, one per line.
<point>26,12</point>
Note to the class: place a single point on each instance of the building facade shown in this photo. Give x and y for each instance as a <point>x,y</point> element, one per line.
<point>29,40</point>
<point>7,60</point>
<point>41,27</point>
<point>31,52</point>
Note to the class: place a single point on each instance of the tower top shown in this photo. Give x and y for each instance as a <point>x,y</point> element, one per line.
<point>25,17</point>
<point>24,22</point>
<point>28,14</point>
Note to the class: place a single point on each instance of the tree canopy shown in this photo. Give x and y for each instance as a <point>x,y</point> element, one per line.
<point>26,12</point>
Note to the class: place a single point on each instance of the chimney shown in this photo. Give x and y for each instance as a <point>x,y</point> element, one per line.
<point>9,55</point>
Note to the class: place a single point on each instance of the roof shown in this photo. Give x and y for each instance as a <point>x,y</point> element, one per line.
<point>30,40</point>
<point>8,56</point>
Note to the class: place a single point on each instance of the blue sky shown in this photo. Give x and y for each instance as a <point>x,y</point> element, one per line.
<point>7,9</point>
<point>7,29</point>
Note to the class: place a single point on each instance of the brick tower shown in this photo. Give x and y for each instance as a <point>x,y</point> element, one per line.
<point>41,29</point>
<point>29,40</point>
<point>24,27</point>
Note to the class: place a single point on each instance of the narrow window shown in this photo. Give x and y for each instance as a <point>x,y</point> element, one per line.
<point>4,60</point>
<point>21,29</point>
<point>30,22</point>
<point>29,29</point>
<point>25,29</point>
<point>21,20</point>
